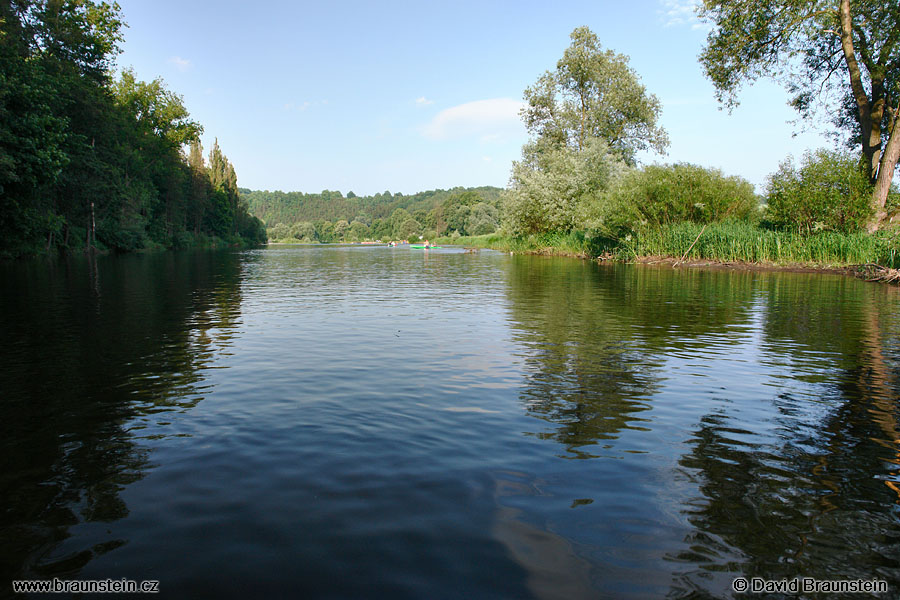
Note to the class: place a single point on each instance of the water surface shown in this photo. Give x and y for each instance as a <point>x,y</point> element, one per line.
<point>345,422</point>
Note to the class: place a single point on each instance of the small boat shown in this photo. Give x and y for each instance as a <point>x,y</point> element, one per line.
<point>423,246</point>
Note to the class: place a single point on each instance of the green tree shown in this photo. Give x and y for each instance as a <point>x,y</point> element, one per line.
<point>588,119</point>
<point>398,218</point>
<point>324,231</point>
<point>483,219</point>
<point>553,189</point>
<point>454,211</point>
<point>410,228</point>
<point>280,232</point>
<point>828,191</point>
<point>594,94</point>
<point>659,195</point>
<point>199,190</point>
<point>359,231</point>
<point>303,231</point>
<point>381,229</point>
<point>32,149</point>
<point>89,162</point>
<point>340,229</point>
<point>840,55</point>
<point>155,109</point>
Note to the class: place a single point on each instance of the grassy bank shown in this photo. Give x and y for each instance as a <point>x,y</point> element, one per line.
<point>731,241</point>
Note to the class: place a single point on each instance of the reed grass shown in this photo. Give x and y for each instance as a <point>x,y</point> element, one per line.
<point>741,241</point>
<point>729,241</point>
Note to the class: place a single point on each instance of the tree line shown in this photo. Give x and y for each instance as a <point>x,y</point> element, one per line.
<point>331,217</point>
<point>89,161</point>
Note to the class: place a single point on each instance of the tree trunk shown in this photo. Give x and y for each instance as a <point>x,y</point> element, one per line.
<point>863,105</point>
<point>889,159</point>
<point>872,148</point>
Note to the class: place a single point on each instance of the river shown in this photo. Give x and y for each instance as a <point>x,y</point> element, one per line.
<point>361,422</point>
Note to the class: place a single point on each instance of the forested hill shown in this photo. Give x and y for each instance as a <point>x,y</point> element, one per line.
<point>332,217</point>
<point>295,207</point>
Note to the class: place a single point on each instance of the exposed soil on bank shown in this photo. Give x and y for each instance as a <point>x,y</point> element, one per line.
<point>869,272</point>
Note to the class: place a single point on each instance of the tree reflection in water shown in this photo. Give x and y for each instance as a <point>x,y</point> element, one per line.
<point>95,351</point>
<point>789,460</point>
<point>818,496</point>
<point>596,340</point>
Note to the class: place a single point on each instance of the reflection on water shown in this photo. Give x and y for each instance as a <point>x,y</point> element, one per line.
<point>778,391</point>
<point>818,498</point>
<point>444,424</point>
<point>96,352</point>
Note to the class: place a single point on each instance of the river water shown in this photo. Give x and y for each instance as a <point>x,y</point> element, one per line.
<point>368,422</point>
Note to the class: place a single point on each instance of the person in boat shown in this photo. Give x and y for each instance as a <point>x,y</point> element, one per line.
<point>427,244</point>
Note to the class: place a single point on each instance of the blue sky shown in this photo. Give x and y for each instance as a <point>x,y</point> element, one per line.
<point>410,96</point>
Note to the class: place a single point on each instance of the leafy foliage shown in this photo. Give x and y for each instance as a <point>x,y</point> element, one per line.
<point>552,189</point>
<point>593,93</point>
<point>87,162</point>
<point>382,216</point>
<point>588,119</point>
<point>659,195</point>
<point>838,55</point>
<point>828,191</point>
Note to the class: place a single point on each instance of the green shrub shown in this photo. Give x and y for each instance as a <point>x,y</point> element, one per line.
<point>660,195</point>
<point>827,192</point>
<point>125,236</point>
<point>182,240</point>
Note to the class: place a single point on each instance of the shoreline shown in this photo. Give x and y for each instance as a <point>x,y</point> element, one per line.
<point>867,272</point>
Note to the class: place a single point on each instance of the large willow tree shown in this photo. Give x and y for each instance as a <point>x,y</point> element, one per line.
<point>594,93</point>
<point>588,119</point>
<point>842,55</point>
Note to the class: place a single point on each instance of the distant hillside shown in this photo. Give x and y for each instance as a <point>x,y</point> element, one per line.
<point>295,207</point>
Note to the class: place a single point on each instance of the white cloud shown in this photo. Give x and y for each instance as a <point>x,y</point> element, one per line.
<point>680,12</point>
<point>301,107</point>
<point>423,101</point>
<point>182,64</point>
<point>297,107</point>
<point>488,120</point>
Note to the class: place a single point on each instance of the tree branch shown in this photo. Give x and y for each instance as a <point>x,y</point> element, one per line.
<point>859,92</point>
<point>863,50</point>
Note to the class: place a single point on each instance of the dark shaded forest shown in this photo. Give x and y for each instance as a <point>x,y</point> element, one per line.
<point>93,162</point>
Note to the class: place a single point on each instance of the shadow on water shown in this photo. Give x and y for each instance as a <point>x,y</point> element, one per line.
<point>96,351</point>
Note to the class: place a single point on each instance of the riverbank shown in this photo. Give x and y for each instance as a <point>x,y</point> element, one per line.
<point>732,245</point>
